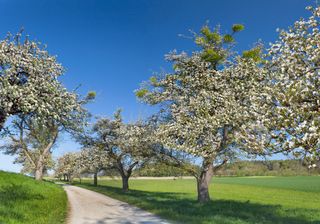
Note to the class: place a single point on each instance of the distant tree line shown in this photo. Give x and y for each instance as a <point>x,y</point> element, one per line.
<point>238,168</point>
<point>268,168</point>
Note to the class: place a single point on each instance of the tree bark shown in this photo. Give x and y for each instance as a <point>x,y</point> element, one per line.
<point>3,118</point>
<point>125,174</point>
<point>203,181</point>
<point>39,173</point>
<point>125,183</point>
<point>43,156</point>
<point>95,179</point>
<point>70,178</point>
<point>39,168</point>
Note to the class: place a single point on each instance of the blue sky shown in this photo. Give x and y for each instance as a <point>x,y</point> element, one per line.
<point>112,46</point>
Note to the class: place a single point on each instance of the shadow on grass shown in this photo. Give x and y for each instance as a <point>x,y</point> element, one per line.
<point>178,207</point>
<point>10,196</point>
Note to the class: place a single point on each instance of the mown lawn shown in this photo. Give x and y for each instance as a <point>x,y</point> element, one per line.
<point>24,200</point>
<point>237,200</point>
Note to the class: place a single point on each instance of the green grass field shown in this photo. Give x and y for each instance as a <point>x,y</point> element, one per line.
<point>236,200</point>
<point>24,200</point>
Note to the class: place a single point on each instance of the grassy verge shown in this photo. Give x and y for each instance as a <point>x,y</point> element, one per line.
<point>269,200</point>
<point>24,200</point>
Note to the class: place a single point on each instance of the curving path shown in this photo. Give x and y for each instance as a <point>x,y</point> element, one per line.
<point>88,207</point>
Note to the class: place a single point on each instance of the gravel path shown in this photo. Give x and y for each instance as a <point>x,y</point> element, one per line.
<point>88,207</point>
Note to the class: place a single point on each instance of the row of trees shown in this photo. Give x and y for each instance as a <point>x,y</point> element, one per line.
<point>217,105</point>
<point>111,144</point>
<point>38,105</point>
<point>214,107</point>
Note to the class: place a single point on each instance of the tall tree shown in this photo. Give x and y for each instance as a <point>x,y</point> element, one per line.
<point>29,83</point>
<point>209,99</point>
<point>32,141</point>
<point>69,166</point>
<point>126,145</point>
<point>32,138</point>
<point>30,90</point>
<point>293,127</point>
<point>94,160</point>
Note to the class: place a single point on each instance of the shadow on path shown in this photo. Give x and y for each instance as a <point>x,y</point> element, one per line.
<point>178,207</point>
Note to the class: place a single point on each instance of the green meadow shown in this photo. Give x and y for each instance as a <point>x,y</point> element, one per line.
<point>24,200</point>
<point>236,200</point>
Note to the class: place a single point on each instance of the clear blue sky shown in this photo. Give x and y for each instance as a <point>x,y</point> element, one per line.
<point>111,46</point>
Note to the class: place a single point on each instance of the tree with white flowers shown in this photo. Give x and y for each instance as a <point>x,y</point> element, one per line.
<point>32,141</point>
<point>127,146</point>
<point>210,100</point>
<point>41,107</point>
<point>69,166</point>
<point>29,83</point>
<point>94,160</point>
<point>292,124</point>
<point>295,71</point>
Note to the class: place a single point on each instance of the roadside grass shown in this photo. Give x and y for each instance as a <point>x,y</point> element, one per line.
<point>236,200</point>
<point>24,200</point>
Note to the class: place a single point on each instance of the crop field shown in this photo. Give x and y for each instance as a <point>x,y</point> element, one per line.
<point>24,200</point>
<point>236,200</point>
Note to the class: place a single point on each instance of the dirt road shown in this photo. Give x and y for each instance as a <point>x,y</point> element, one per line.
<point>88,207</point>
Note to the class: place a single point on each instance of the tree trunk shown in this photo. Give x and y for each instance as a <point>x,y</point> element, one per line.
<point>70,178</point>
<point>39,173</point>
<point>41,161</point>
<point>3,118</point>
<point>125,183</point>
<point>39,168</point>
<point>203,181</point>
<point>95,179</point>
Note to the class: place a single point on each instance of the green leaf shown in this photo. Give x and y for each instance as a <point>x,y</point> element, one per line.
<point>228,38</point>
<point>153,80</point>
<point>254,54</point>
<point>205,31</point>
<point>91,95</point>
<point>237,27</point>
<point>214,37</point>
<point>141,93</point>
<point>200,40</point>
<point>208,36</point>
<point>212,56</point>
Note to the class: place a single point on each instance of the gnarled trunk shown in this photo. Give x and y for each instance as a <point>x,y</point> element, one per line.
<point>41,161</point>
<point>39,168</point>
<point>125,174</point>
<point>203,181</point>
<point>39,173</point>
<point>95,179</point>
<point>125,183</point>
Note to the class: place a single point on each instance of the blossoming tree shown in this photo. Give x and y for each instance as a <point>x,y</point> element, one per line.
<point>294,71</point>
<point>126,145</point>
<point>29,83</point>
<point>210,99</point>
<point>93,160</point>
<point>32,142</point>
<point>69,166</point>
<point>42,107</point>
